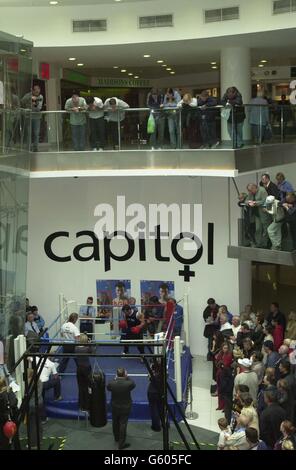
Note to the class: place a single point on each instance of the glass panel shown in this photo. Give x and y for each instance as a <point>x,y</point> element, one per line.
<point>15,81</point>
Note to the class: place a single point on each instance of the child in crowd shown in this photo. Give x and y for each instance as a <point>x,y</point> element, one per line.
<point>225,432</point>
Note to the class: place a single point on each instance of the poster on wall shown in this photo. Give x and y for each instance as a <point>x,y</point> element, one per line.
<point>113,292</point>
<point>163,290</point>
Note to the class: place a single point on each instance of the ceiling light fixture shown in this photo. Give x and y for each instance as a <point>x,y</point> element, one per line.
<point>263,61</point>
<point>172,73</point>
<point>214,67</point>
<point>53,2</point>
<point>115,67</point>
<point>260,65</point>
<point>136,76</point>
<point>213,63</point>
<point>122,70</point>
<point>80,65</point>
<point>169,69</point>
<point>146,55</point>
<point>160,61</point>
<point>164,65</point>
<point>130,74</point>
<point>72,58</point>
<point>23,50</point>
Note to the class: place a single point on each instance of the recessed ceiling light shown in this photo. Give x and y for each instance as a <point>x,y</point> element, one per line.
<point>136,76</point>
<point>122,70</point>
<point>115,67</point>
<point>164,65</point>
<point>160,61</point>
<point>172,73</point>
<point>146,55</point>
<point>72,58</point>
<point>263,61</point>
<point>213,63</point>
<point>169,69</point>
<point>80,65</point>
<point>214,67</point>
<point>260,65</point>
<point>117,0</point>
<point>130,74</point>
<point>23,50</point>
<point>53,2</point>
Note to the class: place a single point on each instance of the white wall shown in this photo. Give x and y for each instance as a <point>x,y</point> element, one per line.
<point>51,26</point>
<point>68,204</point>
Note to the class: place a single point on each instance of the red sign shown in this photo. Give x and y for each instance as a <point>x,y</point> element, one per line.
<point>44,71</point>
<point>12,64</point>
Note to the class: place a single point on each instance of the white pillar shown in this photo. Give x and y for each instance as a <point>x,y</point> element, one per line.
<point>235,65</point>
<point>177,367</point>
<point>53,103</point>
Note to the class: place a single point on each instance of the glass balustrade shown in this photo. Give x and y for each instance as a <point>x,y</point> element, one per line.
<point>199,128</point>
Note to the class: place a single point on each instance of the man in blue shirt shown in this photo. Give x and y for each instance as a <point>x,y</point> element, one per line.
<point>88,310</point>
<point>272,356</point>
<point>283,185</point>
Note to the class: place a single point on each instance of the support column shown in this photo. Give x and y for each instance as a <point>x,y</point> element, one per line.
<point>235,65</point>
<point>53,103</point>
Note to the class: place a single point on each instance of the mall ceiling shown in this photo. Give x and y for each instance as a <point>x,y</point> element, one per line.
<point>181,57</point>
<point>45,3</point>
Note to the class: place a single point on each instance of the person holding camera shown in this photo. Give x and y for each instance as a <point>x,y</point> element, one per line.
<point>33,101</point>
<point>121,403</point>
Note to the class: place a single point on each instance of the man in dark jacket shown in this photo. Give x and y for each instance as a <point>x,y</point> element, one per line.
<point>121,403</point>
<point>276,314</point>
<point>270,187</point>
<point>207,119</point>
<point>271,418</point>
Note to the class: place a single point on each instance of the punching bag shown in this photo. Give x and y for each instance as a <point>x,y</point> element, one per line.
<point>97,400</point>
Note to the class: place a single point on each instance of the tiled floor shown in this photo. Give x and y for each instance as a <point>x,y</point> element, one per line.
<point>203,403</point>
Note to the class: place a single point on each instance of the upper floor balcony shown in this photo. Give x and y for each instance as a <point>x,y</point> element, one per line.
<point>218,141</point>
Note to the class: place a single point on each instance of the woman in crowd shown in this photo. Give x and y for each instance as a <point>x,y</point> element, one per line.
<point>223,360</point>
<point>248,316</point>
<point>288,434</point>
<point>248,348</point>
<point>250,412</point>
<point>235,122</point>
<point>291,326</point>
<point>257,365</point>
<point>171,100</point>
<point>278,334</point>
<point>8,410</point>
<point>286,398</point>
<point>83,371</point>
<point>218,340</point>
<point>269,381</point>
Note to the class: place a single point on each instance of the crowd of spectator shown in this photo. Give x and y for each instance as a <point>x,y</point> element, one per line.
<point>269,214</point>
<point>254,358</point>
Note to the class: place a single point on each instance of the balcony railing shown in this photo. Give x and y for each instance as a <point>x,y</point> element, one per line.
<point>145,129</point>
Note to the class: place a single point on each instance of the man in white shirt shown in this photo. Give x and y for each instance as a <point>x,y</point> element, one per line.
<point>50,379</point>
<point>96,122</point>
<point>31,325</point>
<point>247,377</point>
<point>69,332</point>
<point>114,108</point>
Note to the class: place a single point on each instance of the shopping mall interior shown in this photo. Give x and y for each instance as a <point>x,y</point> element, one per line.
<point>147,225</point>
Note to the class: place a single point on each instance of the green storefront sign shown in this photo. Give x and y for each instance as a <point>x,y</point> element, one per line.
<point>123,82</point>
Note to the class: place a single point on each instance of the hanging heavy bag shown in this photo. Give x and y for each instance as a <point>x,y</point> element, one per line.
<point>151,124</point>
<point>97,398</point>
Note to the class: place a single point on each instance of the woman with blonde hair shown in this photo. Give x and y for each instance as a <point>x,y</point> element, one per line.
<point>291,326</point>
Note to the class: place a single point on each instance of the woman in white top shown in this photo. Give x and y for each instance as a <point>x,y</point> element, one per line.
<point>69,332</point>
